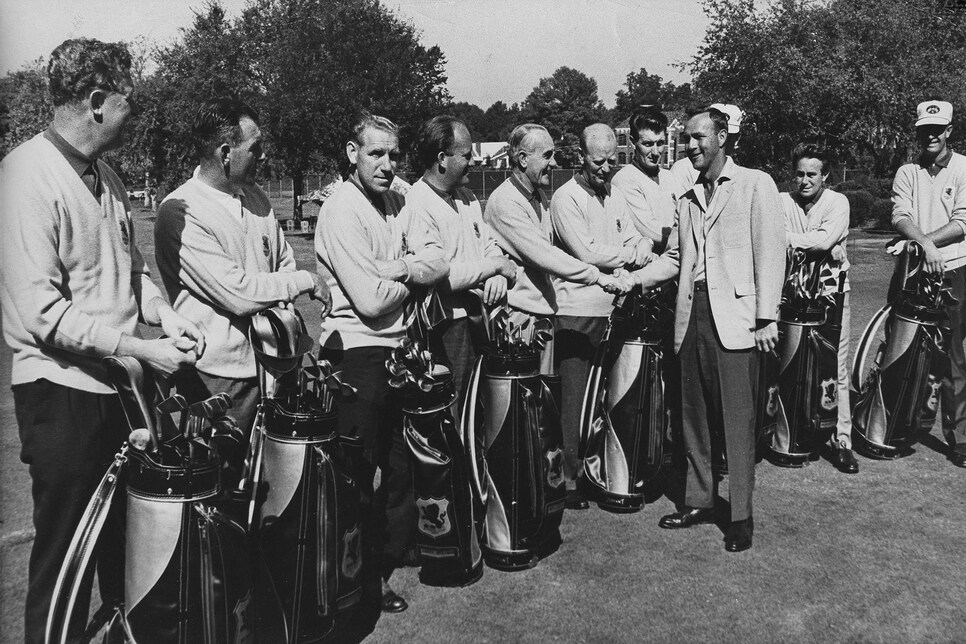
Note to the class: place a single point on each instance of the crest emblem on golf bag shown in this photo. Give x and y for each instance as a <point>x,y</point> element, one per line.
<point>772,408</point>
<point>434,517</point>
<point>555,476</point>
<point>932,400</point>
<point>352,555</point>
<point>829,394</point>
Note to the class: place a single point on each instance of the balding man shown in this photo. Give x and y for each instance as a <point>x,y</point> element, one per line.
<point>728,251</point>
<point>595,226</point>
<point>518,211</point>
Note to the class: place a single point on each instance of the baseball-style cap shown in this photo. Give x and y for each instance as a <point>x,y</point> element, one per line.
<point>934,113</point>
<point>734,114</point>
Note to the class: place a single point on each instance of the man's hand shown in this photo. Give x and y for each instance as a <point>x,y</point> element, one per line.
<point>644,253</point>
<point>766,338</point>
<point>393,270</point>
<point>187,336</point>
<point>613,284</point>
<point>322,294</point>
<point>506,268</point>
<point>494,290</point>
<point>838,253</point>
<point>933,261</point>
<point>164,355</point>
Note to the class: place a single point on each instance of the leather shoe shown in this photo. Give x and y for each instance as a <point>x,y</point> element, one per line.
<point>687,518</point>
<point>391,602</point>
<point>739,535</point>
<point>576,501</point>
<point>845,461</point>
<point>958,458</point>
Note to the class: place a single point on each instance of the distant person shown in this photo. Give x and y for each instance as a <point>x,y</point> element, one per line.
<point>650,191</point>
<point>518,212</point>
<point>685,171</point>
<point>593,224</point>
<point>929,207</point>
<point>728,252</point>
<point>223,257</point>
<point>450,215</point>
<point>817,222</point>
<point>362,258</point>
<point>72,286</point>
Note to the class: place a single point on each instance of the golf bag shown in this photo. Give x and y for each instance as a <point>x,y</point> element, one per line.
<point>449,511</point>
<point>898,400</point>
<point>624,427</point>
<point>305,511</point>
<point>809,327</point>
<point>187,564</point>
<point>513,412</point>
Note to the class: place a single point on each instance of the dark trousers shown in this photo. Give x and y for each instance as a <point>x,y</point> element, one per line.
<point>373,414</point>
<point>456,344</point>
<point>68,438</point>
<point>577,341</point>
<point>953,391</point>
<point>717,391</point>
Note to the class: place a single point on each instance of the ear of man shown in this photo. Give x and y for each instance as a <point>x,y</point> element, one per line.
<point>96,99</point>
<point>352,151</point>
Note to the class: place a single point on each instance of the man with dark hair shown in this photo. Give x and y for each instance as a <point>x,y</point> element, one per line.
<point>650,190</point>
<point>929,207</point>
<point>728,251</point>
<point>684,171</point>
<point>595,226</point>
<point>73,286</point>
<point>223,257</point>
<point>362,257</point>
<point>817,221</point>
<point>439,205</point>
<point>518,212</point>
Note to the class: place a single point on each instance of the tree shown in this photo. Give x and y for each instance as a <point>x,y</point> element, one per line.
<point>844,72</point>
<point>565,103</point>
<point>641,89</point>
<point>27,109</point>
<point>499,120</point>
<point>473,116</point>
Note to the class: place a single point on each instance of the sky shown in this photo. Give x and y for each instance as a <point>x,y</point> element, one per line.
<point>495,49</point>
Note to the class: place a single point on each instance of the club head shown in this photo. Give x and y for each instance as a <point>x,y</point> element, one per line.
<point>398,382</point>
<point>425,384</point>
<point>396,368</point>
<point>172,404</point>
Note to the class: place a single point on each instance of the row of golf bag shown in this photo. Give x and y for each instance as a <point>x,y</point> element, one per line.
<point>896,393</point>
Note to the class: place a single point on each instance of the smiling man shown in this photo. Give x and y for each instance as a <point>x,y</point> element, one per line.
<point>595,226</point>
<point>223,257</point>
<point>728,252</point>
<point>650,190</point>
<point>518,212</point>
<point>929,207</point>
<point>362,257</point>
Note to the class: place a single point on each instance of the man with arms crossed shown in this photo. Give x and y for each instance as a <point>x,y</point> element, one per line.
<point>817,221</point>
<point>361,257</point>
<point>440,205</point>
<point>222,255</point>
<point>594,225</point>
<point>73,286</point>
<point>929,207</point>
<point>728,251</point>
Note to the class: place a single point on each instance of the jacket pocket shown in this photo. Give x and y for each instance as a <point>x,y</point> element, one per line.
<point>744,288</point>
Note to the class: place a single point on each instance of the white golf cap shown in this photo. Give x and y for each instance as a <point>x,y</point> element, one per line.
<point>934,113</point>
<point>734,114</point>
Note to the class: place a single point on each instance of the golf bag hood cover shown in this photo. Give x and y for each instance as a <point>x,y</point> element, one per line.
<point>279,338</point>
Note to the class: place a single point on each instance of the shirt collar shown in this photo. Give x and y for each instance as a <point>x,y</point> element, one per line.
<point>445,196</point>
<point>237,192</point>
<point>77,160</point>
<point>380,205</point>
<point>942,160</point>
<point>583,183</point>
<point>526,191</point>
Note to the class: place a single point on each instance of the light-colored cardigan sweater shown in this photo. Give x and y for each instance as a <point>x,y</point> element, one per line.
<point>71,278</point>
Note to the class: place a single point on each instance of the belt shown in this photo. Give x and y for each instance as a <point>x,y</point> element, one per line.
<point>701,285</point>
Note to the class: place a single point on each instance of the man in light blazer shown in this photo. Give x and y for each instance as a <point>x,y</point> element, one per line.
<point>728,252</point>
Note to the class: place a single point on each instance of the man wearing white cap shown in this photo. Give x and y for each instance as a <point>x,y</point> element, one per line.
<point>929,207</point>
<point>684,170</point>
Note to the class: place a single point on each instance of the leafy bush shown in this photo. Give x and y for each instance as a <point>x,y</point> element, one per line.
<point>881,214</point>
<point>860,206</point>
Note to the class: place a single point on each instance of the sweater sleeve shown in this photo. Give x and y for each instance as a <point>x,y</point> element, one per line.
<point>832,229</point>
<point>33,276</point>
<point>524,241</point>
<point>425,262</point>
<point>902,198</point>
<point>208,270</point>
<point>573,229</point>
<point>353,263</point>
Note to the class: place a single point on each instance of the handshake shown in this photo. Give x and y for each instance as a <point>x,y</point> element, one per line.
<point>618,283</point>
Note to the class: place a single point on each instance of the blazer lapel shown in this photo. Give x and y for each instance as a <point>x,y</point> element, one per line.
<point>720,200</point>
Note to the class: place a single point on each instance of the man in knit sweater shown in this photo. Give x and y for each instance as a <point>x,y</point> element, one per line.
<point>817,221</point>
<point>595,226</point>
<point>361,256</point>
<point>650,190</point>
<point>518,213</point>
<point>452,216</point>
<point>929,207</point>
<point>222,255</point>
<point>72,287</point>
